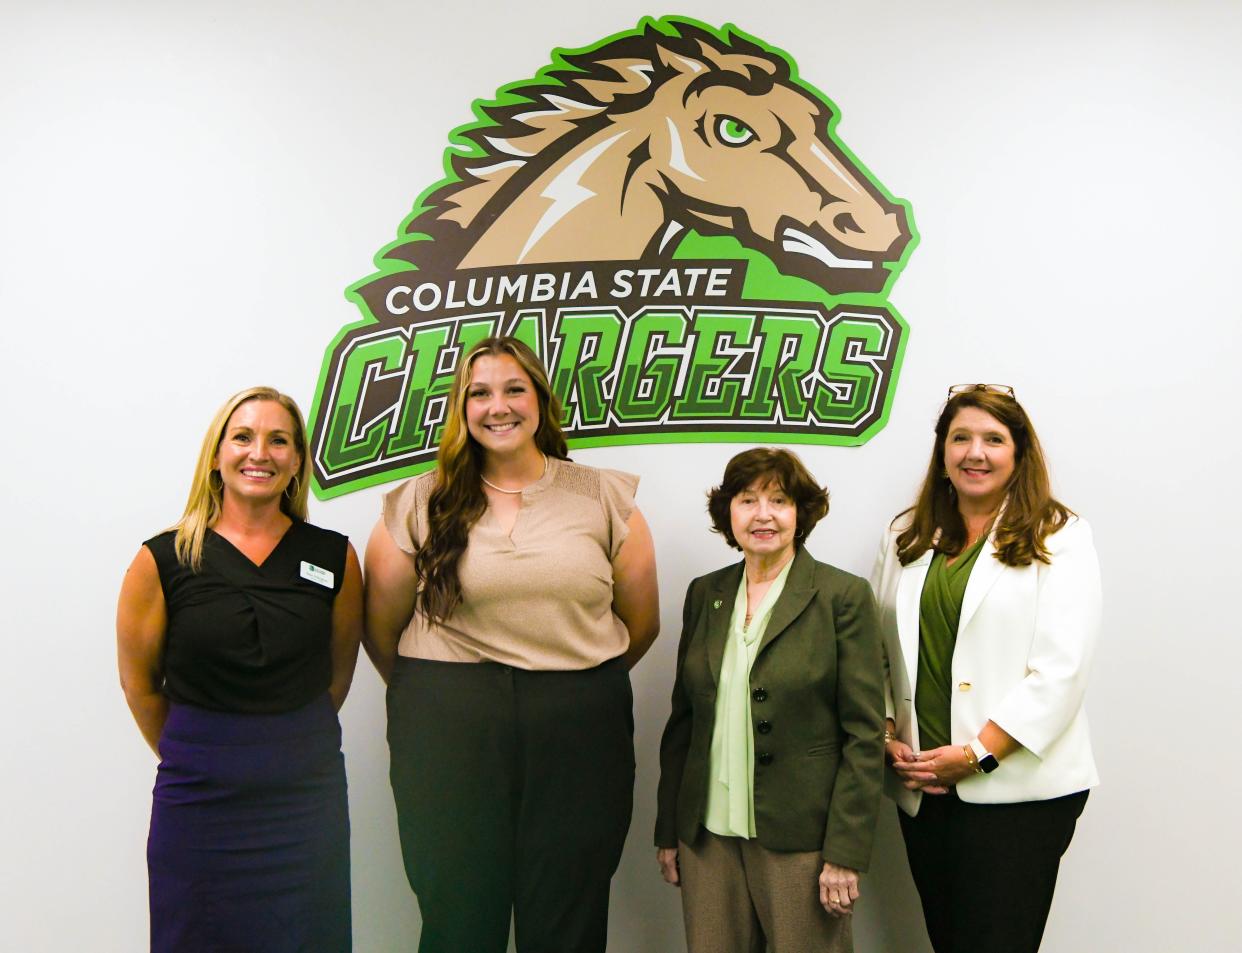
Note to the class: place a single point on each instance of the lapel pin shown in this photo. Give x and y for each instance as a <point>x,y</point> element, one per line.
<point>717,604</point>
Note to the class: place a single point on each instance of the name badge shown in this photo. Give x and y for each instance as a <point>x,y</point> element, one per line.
<point>316,574</point>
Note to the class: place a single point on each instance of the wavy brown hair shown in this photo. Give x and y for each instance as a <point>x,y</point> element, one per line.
<point>768,466</point>
<point>1029,514</point>
<point>457,500</point>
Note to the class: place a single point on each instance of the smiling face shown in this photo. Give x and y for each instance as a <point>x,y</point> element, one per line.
<point>764,519</point>
<point>979,458</point>
<point>257,456</point>
<point>502,409</point>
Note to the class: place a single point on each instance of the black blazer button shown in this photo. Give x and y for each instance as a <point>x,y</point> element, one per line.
<point>764,759</point>
<point>763,727</point>
<point>760,694</point>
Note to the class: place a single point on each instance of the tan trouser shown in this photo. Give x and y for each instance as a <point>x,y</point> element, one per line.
<point>737,895</point>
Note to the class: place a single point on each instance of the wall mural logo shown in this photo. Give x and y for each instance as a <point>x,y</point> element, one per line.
<point>669,219</point>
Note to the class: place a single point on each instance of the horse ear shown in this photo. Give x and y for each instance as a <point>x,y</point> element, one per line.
<point>736,62</point>
<point>679,62</point>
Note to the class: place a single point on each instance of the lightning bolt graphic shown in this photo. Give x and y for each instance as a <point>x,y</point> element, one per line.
<point>566,193</point>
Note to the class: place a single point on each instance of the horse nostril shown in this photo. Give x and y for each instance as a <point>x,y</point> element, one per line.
<point>844,223</point>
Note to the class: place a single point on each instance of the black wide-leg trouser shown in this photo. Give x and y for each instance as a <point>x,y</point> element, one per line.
<point>986,872</point>
<point>514,791</point>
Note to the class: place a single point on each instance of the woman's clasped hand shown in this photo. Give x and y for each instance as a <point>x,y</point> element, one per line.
<point>932,772</point>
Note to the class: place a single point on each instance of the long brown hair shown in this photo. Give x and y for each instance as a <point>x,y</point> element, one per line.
<point>1029,513</point>
<point>457,501</point>
<point>202,508</point>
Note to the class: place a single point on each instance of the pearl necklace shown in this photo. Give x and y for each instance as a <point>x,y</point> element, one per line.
<point>501,489</point>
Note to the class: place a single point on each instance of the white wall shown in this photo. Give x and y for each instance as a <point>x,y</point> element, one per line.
<point>187,188</point>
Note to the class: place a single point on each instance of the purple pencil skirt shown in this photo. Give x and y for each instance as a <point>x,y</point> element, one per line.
<point>249,842</point>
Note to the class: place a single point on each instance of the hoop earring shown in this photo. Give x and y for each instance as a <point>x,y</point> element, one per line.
<point>293,488</point>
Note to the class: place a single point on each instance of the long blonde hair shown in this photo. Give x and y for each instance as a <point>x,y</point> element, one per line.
<point>203,506</point>
<point>457,501</point>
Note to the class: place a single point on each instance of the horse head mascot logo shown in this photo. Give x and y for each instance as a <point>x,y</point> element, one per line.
<point>647,136</point>
<point>669,219</point>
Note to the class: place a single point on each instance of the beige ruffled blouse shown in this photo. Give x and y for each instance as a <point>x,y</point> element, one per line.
<point>539,598</point>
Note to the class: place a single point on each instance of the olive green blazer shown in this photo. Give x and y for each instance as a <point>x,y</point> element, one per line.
<point>817,711</point>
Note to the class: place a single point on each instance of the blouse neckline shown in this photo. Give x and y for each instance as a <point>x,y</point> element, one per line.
<point>268,558</point>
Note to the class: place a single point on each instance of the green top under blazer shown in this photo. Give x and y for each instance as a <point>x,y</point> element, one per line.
<point>817,712</point>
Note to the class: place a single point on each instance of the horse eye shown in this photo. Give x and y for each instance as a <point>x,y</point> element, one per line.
<point>733,132</point>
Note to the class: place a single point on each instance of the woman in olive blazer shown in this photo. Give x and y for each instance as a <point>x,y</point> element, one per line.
<point>813,728</point>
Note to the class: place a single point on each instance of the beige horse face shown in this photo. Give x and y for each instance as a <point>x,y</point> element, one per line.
<point>762,168</point>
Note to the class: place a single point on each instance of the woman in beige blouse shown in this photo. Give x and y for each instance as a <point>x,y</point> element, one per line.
<point>509,592</point>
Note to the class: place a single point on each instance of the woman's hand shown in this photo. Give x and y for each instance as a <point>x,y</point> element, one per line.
<point>913,775</point>
<point>934,771</point>
<point>897,750</point>
<point>838,889</point>
<point>667,857</point>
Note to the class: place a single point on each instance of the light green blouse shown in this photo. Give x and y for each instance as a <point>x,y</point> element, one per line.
<point>731,771</point>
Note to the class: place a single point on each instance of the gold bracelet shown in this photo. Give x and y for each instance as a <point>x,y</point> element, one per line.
<point>971,759</point>
<point>889,736</point>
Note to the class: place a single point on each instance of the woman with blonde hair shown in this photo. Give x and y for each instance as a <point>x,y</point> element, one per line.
<point>509,591</point>
<point>989,593</point>
<point>237,634</point>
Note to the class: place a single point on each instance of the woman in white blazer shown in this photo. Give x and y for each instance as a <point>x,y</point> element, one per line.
<point>989,595</point>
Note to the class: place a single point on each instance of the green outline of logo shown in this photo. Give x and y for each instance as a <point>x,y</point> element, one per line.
<point>762,284</point>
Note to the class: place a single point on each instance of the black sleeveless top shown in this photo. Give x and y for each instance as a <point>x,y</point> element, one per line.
<point>246,638</point>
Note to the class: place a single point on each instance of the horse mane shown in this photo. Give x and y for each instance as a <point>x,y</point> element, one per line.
<point>532,123</point>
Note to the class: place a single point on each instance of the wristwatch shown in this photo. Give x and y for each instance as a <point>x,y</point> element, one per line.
<point>986,761</point>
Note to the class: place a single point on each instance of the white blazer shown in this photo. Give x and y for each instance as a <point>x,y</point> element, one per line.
<point>1024,646</point>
